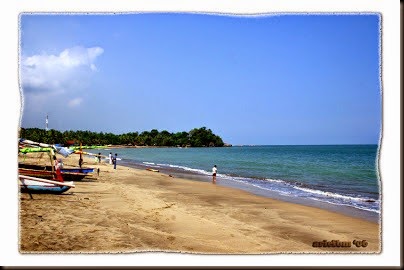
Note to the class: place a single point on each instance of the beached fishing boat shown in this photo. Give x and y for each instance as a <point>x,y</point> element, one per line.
<point>48,172</point>
<point>49,168</point>
<point>68,176</point>
<point>38,185</point>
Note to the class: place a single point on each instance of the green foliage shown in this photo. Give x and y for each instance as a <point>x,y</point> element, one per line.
<point>197,137</point>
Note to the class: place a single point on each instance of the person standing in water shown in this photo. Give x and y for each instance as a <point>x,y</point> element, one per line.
<point>110,158</point>
<point>214,172</point>
<point>114,160</point>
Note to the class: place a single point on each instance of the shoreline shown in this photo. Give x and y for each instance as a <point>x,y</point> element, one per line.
<point>132,210</point>
<point>194,176</point>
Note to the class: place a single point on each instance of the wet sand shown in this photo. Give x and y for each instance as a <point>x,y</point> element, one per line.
<point>132,210</point>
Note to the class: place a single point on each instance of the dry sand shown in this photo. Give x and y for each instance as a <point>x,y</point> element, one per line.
<point>130,210</point>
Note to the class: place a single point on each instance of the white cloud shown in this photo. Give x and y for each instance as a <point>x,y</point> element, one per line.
<point>47,73</point>
<point>75,102</point>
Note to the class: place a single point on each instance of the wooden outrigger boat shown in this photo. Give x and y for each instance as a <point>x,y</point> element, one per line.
<point>48,172</point>
<point>43,180</point>
<point>38,185</point>
<point>49,168</point>
<point>69,176</point>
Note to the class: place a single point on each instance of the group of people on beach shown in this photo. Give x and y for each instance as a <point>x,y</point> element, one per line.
<point>112,159</point>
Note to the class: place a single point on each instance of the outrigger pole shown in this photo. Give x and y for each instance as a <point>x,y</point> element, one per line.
<point>64,151</point>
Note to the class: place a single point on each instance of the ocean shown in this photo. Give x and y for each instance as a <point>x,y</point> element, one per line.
<point>342,178</point>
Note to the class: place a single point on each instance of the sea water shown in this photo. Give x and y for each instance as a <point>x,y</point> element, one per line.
<point>340,176</point>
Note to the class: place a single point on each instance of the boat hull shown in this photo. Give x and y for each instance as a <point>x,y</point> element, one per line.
<point>67,176</point>
<point>36,187</point>
<point>77,170</point>
<point>43,189</point>
<point>49,168</point>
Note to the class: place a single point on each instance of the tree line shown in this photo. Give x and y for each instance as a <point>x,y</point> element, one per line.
<point>197,137</point>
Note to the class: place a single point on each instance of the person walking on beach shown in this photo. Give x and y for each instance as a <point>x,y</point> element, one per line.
<point>99,157</point>
<point>56,166</point>
<point>214,172</point>
<point>114,160</point>
<point>58,163</point>
<point>110,158</point>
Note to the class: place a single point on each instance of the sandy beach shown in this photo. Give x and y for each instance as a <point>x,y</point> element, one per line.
<point>131,210</point>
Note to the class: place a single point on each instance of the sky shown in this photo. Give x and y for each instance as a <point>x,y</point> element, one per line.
<point>280,79</point>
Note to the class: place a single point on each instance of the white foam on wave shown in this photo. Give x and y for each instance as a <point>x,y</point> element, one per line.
<point>275,180</point>
<point>287,193</point>
<point>242,180</point>
<point>284,188</point>
<point>349,205</point>
<point>331,194</point>
<point>185,168</point>
<point>149,163</point>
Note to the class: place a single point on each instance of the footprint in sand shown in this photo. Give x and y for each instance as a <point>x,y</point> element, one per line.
<point>171,238</point>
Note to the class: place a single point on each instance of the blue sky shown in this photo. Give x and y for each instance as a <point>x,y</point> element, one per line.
<point>285,79</point>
